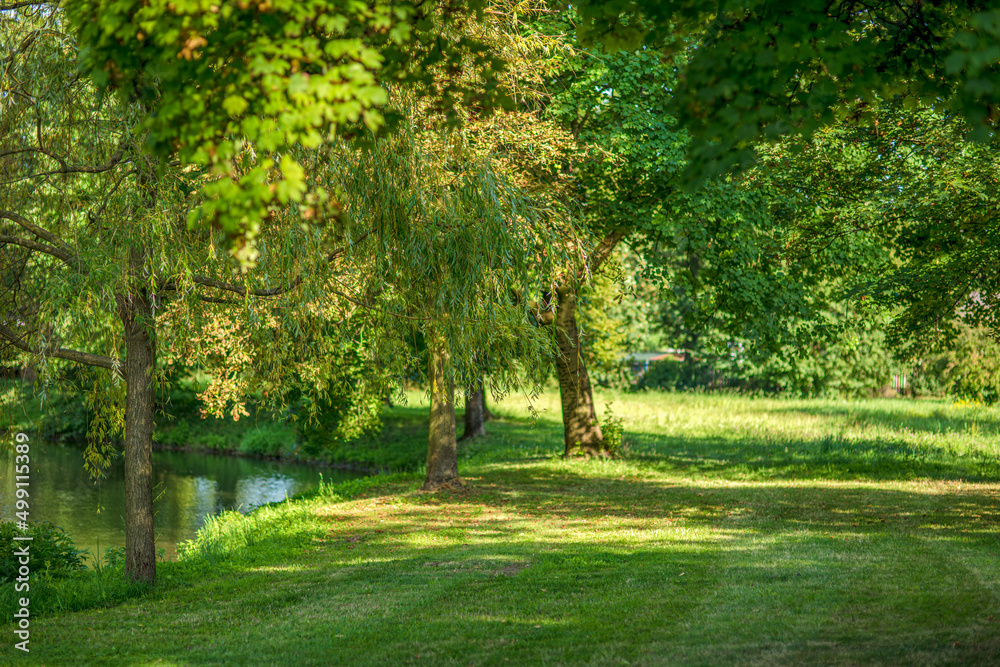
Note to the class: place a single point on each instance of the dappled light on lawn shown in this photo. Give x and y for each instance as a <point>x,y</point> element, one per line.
<point>657,558</point>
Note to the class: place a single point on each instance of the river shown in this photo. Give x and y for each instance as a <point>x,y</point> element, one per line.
<point>187,489</point>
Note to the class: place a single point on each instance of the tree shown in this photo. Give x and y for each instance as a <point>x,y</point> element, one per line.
<point>102,270</point>
<point>455,246</point>
<point>528,149</point>
<point>754,71</point>
<point>617,108</point>
<point>612,107</point>
<point>275,75</point>
<point>904,202</point>
<point>476,412</point>
<point>760,69</point>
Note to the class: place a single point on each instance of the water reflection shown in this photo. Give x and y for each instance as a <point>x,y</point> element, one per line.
<point>187,488</point>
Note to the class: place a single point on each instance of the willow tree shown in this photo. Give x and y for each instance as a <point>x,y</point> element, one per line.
<point>102,270</point>
<point>541,156</point>
<point>455,246</point>
<point>277,75</point>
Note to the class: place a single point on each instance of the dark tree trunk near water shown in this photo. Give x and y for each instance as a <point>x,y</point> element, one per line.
<point>140,362</point>
<point>476,413</point>
<point>442,446</point>
<point>582,432</point>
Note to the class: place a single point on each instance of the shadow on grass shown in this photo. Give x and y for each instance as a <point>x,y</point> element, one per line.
<point>536,564</point>
<point>748,507</point>
<point>831,457</point>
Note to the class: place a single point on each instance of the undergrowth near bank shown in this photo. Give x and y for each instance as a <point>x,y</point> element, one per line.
<point>278,529</point>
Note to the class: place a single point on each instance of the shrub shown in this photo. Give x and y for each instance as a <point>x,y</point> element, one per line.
<point>613,430</point>
<point>616,375</point>
<point>268,440</point>
<point>177,435</point>
<point>213,441</point>
<point>930,376</point>
<point>114,558</point>
<point>673,374</point>
<point>336,418</point>
<point>51,551</point>
<point>64,416</point>
<point>969,369</point>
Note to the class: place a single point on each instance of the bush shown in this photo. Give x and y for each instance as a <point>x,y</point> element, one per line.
<point>215,442</point>
<point>51,551</point>
<point>673,374</point>
<point>336,418</point>
<point>268,440</point>
<point>177,435</point>
<point>617,375</point>
<point>613,430</point>
<point>930,376</point>
<point>114,558</point>
<point>102,586</point>
<point>969,370</point>
<point>64,416</point>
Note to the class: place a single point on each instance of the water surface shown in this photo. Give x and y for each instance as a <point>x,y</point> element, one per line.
<point>187,488</point>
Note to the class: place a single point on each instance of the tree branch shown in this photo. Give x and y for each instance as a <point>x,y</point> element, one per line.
<point>604,249</point>
<point>212,299</point>
<point>70,261</point>
<point>62,353</point>
<point>243,291</point>
<point>542,310</point>
<point>75,168</point>
<point>36,230</point>
<point>171,284</point>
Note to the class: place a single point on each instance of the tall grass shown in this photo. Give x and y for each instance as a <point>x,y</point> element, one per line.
<point>284,526</point>
<point>752,438</point>
<point>104,585</point>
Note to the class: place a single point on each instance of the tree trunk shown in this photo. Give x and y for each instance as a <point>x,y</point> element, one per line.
<point>442,447</point>
<point>582,432</point>
<point>475,411</point>
<point>691,379</point>
<point>140,362</point>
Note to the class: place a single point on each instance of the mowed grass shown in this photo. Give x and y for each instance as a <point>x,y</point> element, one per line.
<point>737,531</point>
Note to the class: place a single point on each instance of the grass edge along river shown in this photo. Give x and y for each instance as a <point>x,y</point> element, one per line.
<point>735,531</point>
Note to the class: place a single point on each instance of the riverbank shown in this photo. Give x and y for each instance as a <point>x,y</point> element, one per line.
<point>181,427</point>
<point>737,531</point>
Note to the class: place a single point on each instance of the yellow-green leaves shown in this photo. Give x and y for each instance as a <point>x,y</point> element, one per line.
<point>235,82</point>
<point>293,185</point>
<point>235,105</point>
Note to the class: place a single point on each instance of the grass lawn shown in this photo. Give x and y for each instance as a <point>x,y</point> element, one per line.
<point>736,531</point>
